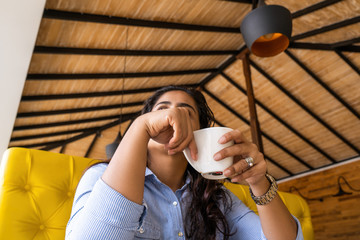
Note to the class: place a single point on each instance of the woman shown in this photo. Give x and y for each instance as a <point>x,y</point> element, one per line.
<point>149,191</point>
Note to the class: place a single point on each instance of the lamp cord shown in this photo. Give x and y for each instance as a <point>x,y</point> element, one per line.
<point>258,3</point>
<point>254,4</point>
<point>347,183</point>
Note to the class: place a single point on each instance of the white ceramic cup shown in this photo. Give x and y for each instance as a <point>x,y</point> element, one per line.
<point>207,144</point>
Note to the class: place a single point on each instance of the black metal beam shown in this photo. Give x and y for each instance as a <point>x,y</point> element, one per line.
<point>313,8</point>
<point>350,63</point>
<point>266,156</point>
<point>53,134</point>
<point>35,145</point>
<point>279,119</point>
<point>77,110</point>
<point>85,134</point>
<point>350,49</point>
<point>263,133</point>
<point>119,52</point>
<point>310,46</point>
<point>98,76</point>
<point>241,1</point>
<point>88,17</point>
<point>54,144</point>
<point>132,52</point>
<point>128,126</point>
<point>324,85</point>
<point>92,94</point>
<point>278,165</point>
<point>306,109</point>
<point>128,52</point>
<point>63,147</point>
<point>344,46</point>
<point>327,28</point>
<point>97,134</point>
<point>65,123</point>
<point>222,67</point>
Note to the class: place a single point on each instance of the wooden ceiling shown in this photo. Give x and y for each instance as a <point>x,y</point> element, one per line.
<point>95,60</point>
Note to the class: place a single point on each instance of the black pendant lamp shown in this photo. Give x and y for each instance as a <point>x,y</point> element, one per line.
<point>111,148</point>
<point>267,29</point>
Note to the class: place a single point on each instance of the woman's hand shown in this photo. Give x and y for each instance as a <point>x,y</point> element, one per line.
<point>276,220</point>
<point>240,169</point>
<point>171,127</point>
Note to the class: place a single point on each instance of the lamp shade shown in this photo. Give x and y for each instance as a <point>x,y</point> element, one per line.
<point>111,148</point>
<point>267,30</point>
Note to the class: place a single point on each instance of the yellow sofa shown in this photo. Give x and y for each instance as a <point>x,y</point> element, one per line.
<point>37,190</point>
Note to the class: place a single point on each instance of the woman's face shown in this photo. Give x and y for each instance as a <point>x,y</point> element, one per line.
<point>178,98</point>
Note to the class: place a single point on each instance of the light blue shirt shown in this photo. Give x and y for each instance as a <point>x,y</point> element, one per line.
<point>100,212</point>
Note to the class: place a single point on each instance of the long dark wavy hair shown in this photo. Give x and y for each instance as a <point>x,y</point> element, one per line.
<point>204,218</point>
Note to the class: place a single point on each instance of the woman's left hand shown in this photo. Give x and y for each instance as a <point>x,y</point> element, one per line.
<point>242,149</point>
<point>276,220</point>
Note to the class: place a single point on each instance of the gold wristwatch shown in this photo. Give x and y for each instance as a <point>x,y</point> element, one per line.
<point>269,195</point>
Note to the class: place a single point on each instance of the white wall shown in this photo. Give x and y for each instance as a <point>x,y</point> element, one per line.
<point>19,24</point>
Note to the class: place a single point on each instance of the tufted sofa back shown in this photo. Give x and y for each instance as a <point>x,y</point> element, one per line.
<point>37,190</point>
<point>36,193</point>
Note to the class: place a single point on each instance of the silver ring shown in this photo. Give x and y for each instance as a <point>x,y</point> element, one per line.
<point>249,161</point>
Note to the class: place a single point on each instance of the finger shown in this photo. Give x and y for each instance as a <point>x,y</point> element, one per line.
<point>187,133</point>
<point>186,143</point>
<point>182,123</point>
<point>179,133</point>
<point>234,150</point>
<point>234,135</point>
<point>258,170</point>
<point>236,168</point>
<point>177,139</point>
<point>193,150</point>
<point>192,145</point>
<point>245,175</point>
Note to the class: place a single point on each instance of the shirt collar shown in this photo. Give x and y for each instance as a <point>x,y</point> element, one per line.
<point>148,172</point>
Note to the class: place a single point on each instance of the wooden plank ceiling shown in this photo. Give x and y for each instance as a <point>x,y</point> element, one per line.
<point>93,58</point>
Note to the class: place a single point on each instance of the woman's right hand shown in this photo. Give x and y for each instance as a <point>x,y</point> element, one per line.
<point>173,128</point>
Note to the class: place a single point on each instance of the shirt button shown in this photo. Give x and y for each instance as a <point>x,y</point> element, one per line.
<point>180,234</point>
<point>175,203</point>
<point>141,230</point>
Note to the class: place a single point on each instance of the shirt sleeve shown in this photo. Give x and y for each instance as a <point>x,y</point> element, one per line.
<point>245,224</point>
<point>100,212</point>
